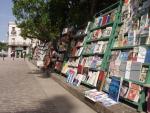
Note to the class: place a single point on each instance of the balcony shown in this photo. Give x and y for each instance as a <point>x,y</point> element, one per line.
<point>19,43</point>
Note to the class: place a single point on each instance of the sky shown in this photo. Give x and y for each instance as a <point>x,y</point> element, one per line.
<point>5,16</point>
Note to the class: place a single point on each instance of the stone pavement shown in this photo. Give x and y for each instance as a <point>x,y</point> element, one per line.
<point>24,90</point>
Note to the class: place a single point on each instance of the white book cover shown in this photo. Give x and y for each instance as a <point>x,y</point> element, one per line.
<point>91,75</point>
<point>96,78</point>
<point>128,68</point>
<point>141,54</point>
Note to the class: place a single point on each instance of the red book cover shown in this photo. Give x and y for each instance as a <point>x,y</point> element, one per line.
<point>133,93</point>
<point>80,69</point>
<point>104,20</point>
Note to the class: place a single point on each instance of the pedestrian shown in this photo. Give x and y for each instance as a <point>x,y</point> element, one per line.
<point>24,55</point>
<point>13,55</point>
<point>3,56</point>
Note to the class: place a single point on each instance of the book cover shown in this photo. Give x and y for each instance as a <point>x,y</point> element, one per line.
<point>147,57</point>
<point>100,21</point>
<point>141,54</point>
<point>128,68</point>
<point>130,38</point>
<point>124,89</point>
<point>114,89</point>
<point>115,55</point>
<point>143,74</point>
<point>96,78</point>
<point>97,34</point>
<point>132,55</point>
<point>134,92</point>
<point>108,19</point>
<point>80,69</point>
<point>122,69</point>
<point>107,32</point>
<point>135,71</point>
<point>124,56</point>
<point>106,84</point>
<point>104,20</point>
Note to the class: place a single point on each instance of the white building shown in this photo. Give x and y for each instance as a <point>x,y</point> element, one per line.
<point>16,43</point>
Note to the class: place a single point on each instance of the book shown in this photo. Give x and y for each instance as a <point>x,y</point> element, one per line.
<point>128,68</point>
<point>134,92</point>
<point>104,20</point>
<point>106,84</point>
<point>123,56</point>
<point>143,74</point>
<point>141,54</point>
<point>124,89</point>
<point>108,19</point>
<point>77,80</point>
<point>107,32</point>
<point>135,71</point>
<point>114,89</point>
<point>147,57</point>
<point>97,34</point>
<point>131,38</point>
<point>122,69</point>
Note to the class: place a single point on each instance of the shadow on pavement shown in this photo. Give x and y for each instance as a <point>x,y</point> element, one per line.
<point>58,104</point>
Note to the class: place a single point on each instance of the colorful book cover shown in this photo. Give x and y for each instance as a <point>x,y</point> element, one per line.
<point>147,57</point>
<point>124,89</point>
<point>124,56</point>
<point>104,20</point>
<point>106,84</point>
<point>132,56</point>
<point>143,74</point>
<point>100,21</point>
<point>114,89</point>
<point>108,19</point>
<point>134,92</point>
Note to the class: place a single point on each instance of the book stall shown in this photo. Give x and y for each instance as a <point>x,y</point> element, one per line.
<point>115,58</point>
<point>111,55</point>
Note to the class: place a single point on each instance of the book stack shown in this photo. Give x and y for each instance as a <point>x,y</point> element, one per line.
<point>106,99</point>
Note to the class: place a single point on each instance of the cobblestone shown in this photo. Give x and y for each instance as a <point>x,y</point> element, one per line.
<point>23,91</point>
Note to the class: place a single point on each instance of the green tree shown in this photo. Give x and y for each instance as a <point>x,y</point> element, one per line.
<point>3,46</point>
<point>45,19</point>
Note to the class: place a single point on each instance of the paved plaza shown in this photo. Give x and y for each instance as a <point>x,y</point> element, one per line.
<point>24,90</point>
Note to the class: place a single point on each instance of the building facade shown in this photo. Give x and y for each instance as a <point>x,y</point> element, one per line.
<point>17,45</point>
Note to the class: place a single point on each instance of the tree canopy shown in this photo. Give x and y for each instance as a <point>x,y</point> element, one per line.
<point>3,46</point>
<point>45,19</point>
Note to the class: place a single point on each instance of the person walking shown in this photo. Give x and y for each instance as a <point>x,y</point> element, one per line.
<point>3,54</point>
